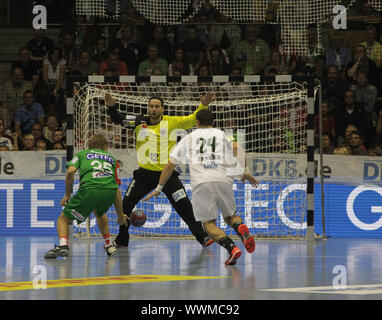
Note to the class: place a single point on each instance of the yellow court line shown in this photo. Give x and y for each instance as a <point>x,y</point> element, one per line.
<point>60,283</point>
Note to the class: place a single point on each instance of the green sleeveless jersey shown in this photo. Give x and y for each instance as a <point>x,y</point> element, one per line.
<point>97,168</point>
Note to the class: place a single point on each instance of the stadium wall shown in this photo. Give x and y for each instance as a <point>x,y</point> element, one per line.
<point>33,183</point>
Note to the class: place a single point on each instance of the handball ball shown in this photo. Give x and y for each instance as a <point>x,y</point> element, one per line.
<point>138,218</point>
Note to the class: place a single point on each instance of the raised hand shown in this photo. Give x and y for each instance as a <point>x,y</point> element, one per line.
<point>109,100</point>
<point>208,98</point>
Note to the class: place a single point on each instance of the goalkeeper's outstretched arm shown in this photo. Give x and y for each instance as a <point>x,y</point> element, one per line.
<point>112,112</point>
<point>187,122</point>
<point>128,122</point>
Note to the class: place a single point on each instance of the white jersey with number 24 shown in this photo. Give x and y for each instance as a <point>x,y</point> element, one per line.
<point>209,154</point>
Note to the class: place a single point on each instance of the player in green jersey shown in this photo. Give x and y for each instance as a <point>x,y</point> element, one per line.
<point>97,192</point>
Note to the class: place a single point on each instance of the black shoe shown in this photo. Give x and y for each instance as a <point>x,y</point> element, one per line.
<point>123,237</point>
<point>115,244</point>
<point>58,251</point>
<point>110,250</point>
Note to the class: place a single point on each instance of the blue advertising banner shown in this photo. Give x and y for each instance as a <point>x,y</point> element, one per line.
<point>31,207</point>
<point>350,211</point>
<point>257,207</point>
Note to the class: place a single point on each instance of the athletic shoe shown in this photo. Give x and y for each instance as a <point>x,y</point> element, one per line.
<point>233,256</point>
<point>115,244</point>
<point>248,240</point>
<point>58,251</point>
<point>110,250</point>
<point>207,242</point>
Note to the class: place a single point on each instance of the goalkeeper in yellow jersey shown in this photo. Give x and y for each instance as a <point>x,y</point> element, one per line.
<point>155,136</point>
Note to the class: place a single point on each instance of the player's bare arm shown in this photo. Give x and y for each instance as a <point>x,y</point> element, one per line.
<point>69,179</point>
<point>165,175</point>
<point>122,218</point>
<point>240,154</point>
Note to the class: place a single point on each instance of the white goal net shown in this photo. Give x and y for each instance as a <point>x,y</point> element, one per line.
<point>268,118</point>
<point>376,4</point>
<point>293,16</point>
<point>98,8</point>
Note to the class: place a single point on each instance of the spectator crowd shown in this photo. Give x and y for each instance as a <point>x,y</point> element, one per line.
<point>33,100</point>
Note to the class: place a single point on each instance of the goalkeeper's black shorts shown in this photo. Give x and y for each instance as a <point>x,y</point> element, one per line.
<point>144,181</point>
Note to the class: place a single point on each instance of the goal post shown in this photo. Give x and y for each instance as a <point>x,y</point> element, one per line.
<point>272,117</point>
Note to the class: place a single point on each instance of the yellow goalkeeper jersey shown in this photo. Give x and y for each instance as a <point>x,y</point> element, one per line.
<point>155,142</point>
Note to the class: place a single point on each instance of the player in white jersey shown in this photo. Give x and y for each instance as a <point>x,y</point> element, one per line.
<point>212,158</point>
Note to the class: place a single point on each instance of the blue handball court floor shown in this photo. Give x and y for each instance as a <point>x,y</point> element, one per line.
<point>159,269</point>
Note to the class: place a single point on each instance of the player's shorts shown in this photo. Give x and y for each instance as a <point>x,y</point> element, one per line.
<point>208,197</point>
<point>88,200</point>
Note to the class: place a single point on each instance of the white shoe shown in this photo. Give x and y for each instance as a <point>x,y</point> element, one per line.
<point>111,250</point>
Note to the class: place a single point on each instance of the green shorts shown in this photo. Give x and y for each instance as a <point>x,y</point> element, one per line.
<point>88,200</point>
